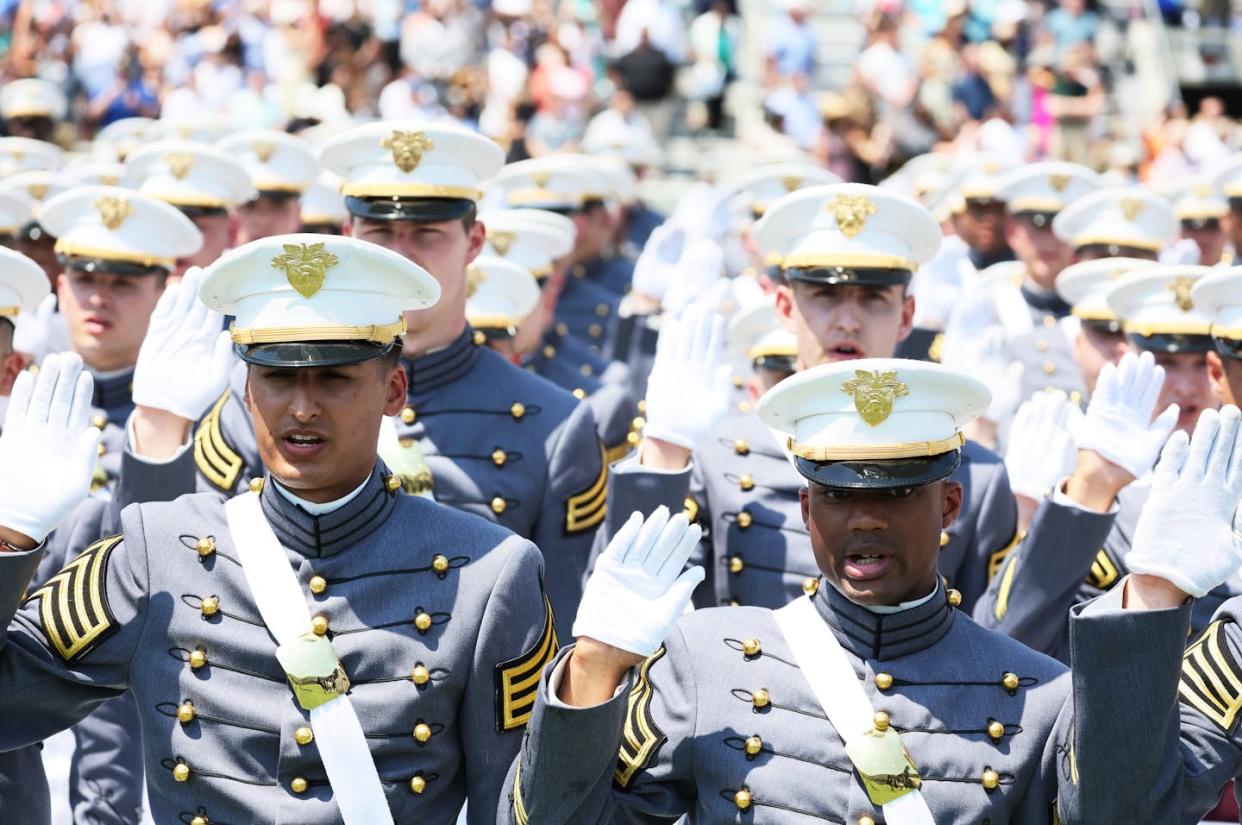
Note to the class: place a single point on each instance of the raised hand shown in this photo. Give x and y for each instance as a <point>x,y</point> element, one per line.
<point>657,265</point>
<point>688,390</point>
<point>1118,424</point>
<point>1040,450</point>
<point>48,448</point>
<point>700,266</point>
<point>184,362</point>
<point>1185,534</point>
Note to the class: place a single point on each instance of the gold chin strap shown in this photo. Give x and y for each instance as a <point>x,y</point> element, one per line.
<point>10,312</point>
<point>376,333</point>
<point>877,452</point>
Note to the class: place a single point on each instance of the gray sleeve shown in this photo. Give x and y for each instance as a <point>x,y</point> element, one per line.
<point>634,488</point>
<point>1030,598</point>
<point>106,774</point>
<point>24,795</point>
<point>1121,759</point>
<point>995,528</point>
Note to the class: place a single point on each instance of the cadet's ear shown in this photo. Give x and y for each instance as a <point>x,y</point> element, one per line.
<point>804,498</point>
<point>785,307</point>
<point>397,389</point>
<point>907,315</point>
<point>951,506</point>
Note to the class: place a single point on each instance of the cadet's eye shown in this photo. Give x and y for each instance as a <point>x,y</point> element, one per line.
<point>899,492</point>
<point>836,495</point>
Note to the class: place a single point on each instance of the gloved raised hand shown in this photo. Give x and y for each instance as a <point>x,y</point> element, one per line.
<point>638,589</point>
<point>1118,424</point>
<point>48,448</point>
<point>1040,450</point>
<point>41,332</point>
<point>688,389</point>
<point>700,266</point>
<point>183,365</point>
<point>656,267</point>
<point>1185,533</point>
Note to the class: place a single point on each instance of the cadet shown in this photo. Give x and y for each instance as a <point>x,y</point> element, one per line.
<point>1218,296</point>
<point>408,632</point>
<point>281,168</point>
<point>32,108</point>
<point>205,183</point>
<point>873,697</point>
<point>848,252</point>
<point>980,216</point>
<point>323,207</point>
<point>1117,222</point>
<point>489,437</point>
<point>1201,211</point>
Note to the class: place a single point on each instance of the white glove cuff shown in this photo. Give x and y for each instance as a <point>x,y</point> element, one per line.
<point>663,434</point>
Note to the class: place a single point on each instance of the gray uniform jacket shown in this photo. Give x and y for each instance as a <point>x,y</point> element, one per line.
<point>756,549</point>
<point>111,406</point>
<point>999,733</point>
<point>498,441</point>
<point>438,618</point>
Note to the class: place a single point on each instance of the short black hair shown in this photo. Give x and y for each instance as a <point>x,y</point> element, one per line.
<point>390,359</point>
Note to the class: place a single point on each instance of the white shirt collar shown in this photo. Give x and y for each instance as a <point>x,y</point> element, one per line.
<point>315,509</point>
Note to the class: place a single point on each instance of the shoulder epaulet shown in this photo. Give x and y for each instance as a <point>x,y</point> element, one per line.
<point>215,458</point>
<point>73,604</point>
<point>997,559</point>
<point>517,680</point>
<point>1211,679</point>
<point>641,737</point>
<point>585,510</point>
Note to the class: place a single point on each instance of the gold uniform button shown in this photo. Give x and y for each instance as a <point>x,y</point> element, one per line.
<point>181,772</point>
<point>562,329</point>
<point>601,310</point>
<point>392,484</point>
<point>423,621</point>
<point>517,410</point>
<point>810,586</point>
<point>101,449</point>
<point>633,438</point>
<point>754,745</point>
<point>990,779</point>
<point>743,406</point>
<point>579,393</point>
<point>205,546</point>
<point>881,721</point>
<point>738,383</point>
<point>638,423</point>
<point>865,820</point>
<point>256,485</point>
<point>955,598</point>
<point>744,520</point>
<point>200,820</point>
<point>1075,397</point>
<point>417,784</point>
<point>944,538</point>
<point>996,730</point>
<point>760,698</point>
<point>303,735</point>
<point>549,351</point>
<point>99,422</point>
<point>741,447</point>
<point>736,565</point>
<point>742,799</point>
<point>585,369</point>
<point>318,585</point>
<point>210,606</point>
<point>746,482</point>
<point>408,415</point>
<point>319,625</point>
<point>498,505</point>
<point>1049,368</point>
<point>751,647</point>
<point>1041,345</point>
<point>884,681</point>
<point>1010,681</point>
<point>198,658</point>
<point>479,338</point>
<point>185,712</point>
<point>440,564</point>
<point>499,457</point>
<point>298,785</point>
<point>422,732</point>
<point>421,675</point>
<point>595,330</point>
<point>1049,321</point>
<point>642,405</point>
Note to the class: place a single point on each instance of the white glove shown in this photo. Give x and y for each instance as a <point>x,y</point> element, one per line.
<point>1182,253</point>
<point>1002,375</point>
<point>638,589</point>
<point>1185,533</point>
<point>185,359</point>
<point>657,265</point>
<point>1118,424</point>
<point>701,265</point>
<point>48,448</point>
<point>688,389</point>
<point>41,332</point>
<point>1040,449</point>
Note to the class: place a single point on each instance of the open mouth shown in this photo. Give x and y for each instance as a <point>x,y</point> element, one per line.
<point>867,566</point>
<point>845,351</point>
<point>303,443</point>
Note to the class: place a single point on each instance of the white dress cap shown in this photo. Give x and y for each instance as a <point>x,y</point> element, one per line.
<point>323,202</point>
<point>1125,216</point>
<point>275,161</point>
<point>120,137</point>
<point>116,224</point>
<point>499,293</point>
<point>761,187</point>
<point>1218,295</point>
<point>19,154</point>
<point>23,283</point>
<point>16,210</point>
<point>542,183</point>
<point>39,185</point>
<point>32,97</point>
<point>755,332</point>
<point>1085,285</point>
<point>185,173</point>
<point>1045,187</point>
<point>532,238</point>
<point>1160,301</point>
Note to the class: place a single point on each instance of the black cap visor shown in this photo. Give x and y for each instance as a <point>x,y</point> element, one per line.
<point>848,276</point>
<point>1228,347</point>
<point>422,210</point>
<point>886,474</point>
<point>1173,343</point>
<point>86,264</point>
<point>312,353</point>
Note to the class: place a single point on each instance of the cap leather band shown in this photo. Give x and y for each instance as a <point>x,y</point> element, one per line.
<point>492,321</point>
<point>377,333</point>
<point>772,351</point>
<point>70,248</point>
<point>205,201</point>
<point>865,452</point>
<point>262,186</point>
<point>1152,328</point>
<point>29,111</point>
<point>527,197</point>
<point>1116,240</point>
<point>409,190</point>
<point>814,260</point>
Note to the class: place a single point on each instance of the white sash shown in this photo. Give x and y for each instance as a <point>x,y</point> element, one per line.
<point>342,744</point>
<point>827,669</point>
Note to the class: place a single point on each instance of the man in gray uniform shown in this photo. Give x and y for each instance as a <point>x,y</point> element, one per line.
<point>422,625</point>
<point>873,700</point>
<point>495,440</point>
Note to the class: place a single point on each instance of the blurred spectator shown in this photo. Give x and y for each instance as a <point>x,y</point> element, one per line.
<point>647,73</point>
<point>1076,99</point>
<point>652,24</point>
<point>1071,24</point>
<point>884,71</point>
<point>714,38</point>
<point>791,44</point>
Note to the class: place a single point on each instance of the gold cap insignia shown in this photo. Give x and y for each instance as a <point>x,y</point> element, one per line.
<point>17,155</point>
<point>540,179</point>
<point>791,182</point>
<point>305,266</point>
<point>109,180</point>
<point>263,150</point>
<point>501,241</point>
<point>1202,190</point>
<point>474,278</point>
<point>179,163</point>
<point>1181,287</point>
<point>990,168</point>
<point>851,212</point>
<point>874,394</point>
<point>1131,207</point>
<point>407,148</point>
<point>114,210</point>
<point>1058,182</point>
<point>38,191</point>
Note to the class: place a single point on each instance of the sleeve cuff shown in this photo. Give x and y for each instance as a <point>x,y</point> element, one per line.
<point>1059,497</point>
<point>554,689</point>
